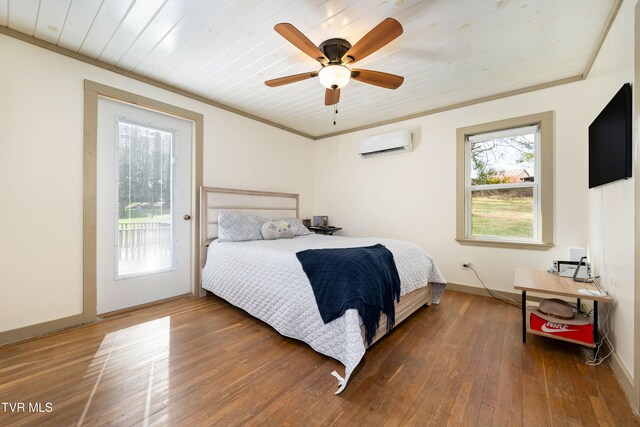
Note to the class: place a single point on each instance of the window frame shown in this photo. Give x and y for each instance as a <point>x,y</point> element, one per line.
<point>543,185</point>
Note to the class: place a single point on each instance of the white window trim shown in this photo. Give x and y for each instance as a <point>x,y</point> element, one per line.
<point>469,188</point>
<point>515,131</point>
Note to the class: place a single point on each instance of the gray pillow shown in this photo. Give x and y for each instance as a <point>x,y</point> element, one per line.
<point>278,229</point>
<point>295,222</point>
<point>235,227</point>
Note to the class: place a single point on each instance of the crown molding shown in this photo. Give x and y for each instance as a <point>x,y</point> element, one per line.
<point>458,105</point>
<point>603,37</point>
<point>144,79</point>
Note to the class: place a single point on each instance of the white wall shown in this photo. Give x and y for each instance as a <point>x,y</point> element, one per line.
<point>611,207</point>
<point>41,126</point>
<point>412,196</point>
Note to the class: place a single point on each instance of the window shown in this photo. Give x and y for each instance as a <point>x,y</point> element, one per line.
<point>505,192</point>
<point>145,181</point>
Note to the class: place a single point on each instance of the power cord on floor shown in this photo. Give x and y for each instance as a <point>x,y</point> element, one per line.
<point>605,337</point>
<point>504,298</point>
<point>603,325</point>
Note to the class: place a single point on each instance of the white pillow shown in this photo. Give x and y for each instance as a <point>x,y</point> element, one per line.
<point>235,227</point>
<point>282,229</point>
<point>295,222</point>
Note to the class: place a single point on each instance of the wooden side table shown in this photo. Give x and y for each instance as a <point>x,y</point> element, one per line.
<point>325,230</point>
<point>527,279</point>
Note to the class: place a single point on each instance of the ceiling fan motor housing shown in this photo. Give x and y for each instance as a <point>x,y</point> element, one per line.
<point>334,49</point>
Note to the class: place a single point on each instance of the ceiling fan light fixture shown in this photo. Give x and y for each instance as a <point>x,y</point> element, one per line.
<point>334,76</point>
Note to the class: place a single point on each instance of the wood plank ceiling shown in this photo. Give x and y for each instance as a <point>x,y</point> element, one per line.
<point>451,51</point>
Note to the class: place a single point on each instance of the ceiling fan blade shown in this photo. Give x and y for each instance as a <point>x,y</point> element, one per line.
<point>299,40</point>
<point>290,79</point>
<point>381,35</point>
<point>331,96</point>
<point>377,78</point>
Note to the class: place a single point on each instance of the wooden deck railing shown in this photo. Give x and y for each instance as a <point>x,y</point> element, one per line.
<point>142,239</point>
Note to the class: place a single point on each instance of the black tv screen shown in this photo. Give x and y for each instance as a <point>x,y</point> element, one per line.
<point>610,145</point>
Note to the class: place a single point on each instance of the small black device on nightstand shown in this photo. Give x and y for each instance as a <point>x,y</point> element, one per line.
<point>325,230</point>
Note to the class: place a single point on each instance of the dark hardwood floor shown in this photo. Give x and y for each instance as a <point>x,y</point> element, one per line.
<point>203,362</point>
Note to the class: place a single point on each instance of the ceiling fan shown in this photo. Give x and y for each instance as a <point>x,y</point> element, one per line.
<point>336,56</point>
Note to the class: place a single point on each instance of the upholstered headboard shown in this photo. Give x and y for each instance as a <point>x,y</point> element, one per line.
<point>212,200</point>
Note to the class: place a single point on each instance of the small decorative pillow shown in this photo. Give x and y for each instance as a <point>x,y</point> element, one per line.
<point>295,222</point>
<point>282,229</point>
<point>235,227</point>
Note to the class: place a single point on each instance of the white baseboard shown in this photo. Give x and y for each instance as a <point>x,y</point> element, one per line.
<point>475,290</point>
<point>622,374</point>
<point>44,328</point>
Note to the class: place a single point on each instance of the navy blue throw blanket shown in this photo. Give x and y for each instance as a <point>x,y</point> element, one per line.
<point>362,278</point>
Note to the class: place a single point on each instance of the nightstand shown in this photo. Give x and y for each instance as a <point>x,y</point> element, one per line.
<point>540,281</point>
<point>324,230</point>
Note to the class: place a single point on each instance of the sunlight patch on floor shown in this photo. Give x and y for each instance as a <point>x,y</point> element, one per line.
<point>153,336</point>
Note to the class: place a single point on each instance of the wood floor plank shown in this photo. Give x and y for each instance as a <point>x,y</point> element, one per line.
<point>482,350</point>
<point>201,361</point>
<point>421,359</point>
<point>508,409</point>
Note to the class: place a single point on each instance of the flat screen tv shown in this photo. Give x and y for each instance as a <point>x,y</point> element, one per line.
<point>610,142</point>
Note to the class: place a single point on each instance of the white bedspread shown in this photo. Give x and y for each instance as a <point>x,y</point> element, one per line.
<point>265,278</point>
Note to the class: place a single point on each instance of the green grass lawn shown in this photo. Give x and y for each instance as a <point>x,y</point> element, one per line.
<point>166,218</point>
<point>502,216</point>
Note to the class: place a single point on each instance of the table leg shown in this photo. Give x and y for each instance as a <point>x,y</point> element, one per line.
<point>524,316</point>
<point>595,327</point>
<point>579,309</point>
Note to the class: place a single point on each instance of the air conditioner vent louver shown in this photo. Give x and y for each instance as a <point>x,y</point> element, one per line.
<point>392,142</point>
<point>389,150</point>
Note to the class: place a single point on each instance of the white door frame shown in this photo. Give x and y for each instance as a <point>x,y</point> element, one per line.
<point>92,91</point>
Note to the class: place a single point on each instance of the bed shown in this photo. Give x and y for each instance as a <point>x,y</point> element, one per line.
<point>264,277</point>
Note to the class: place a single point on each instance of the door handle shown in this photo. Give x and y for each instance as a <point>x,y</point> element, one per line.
<point>186,217</point>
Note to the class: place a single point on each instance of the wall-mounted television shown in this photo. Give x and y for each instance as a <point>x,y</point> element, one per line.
<point>610,145</point>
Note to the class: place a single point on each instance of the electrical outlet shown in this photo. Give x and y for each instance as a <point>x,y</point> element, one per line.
<point>464,262</point>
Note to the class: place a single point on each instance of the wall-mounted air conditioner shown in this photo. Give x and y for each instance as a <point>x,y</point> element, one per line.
<point>399,141</point>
